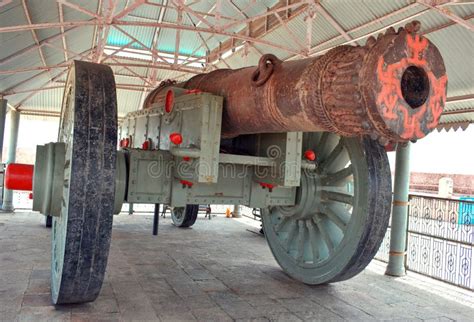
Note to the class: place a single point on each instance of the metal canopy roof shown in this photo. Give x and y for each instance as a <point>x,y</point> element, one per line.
<point>147,41</point>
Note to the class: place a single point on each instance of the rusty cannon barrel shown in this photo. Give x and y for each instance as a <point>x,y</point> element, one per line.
<point>392,89</point>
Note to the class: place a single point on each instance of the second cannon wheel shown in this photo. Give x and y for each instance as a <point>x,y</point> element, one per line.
<point>184,216</point>
<point>341,213</point>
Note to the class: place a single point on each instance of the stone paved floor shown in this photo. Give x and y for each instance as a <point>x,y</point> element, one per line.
<point>217,271</point>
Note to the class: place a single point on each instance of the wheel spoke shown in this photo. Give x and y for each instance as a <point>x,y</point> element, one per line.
<point>340,219</point>
<point>322,141</point>
<point>337,196</point>
<point>301,241</point>
<point>291,235</point>
<point>313,239</point>
<point>336,177</point>
<point>324,234</point>
<point>281,224</point>
<point>332,156</point>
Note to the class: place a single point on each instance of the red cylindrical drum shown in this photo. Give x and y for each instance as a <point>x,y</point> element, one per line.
<point>19,176</point>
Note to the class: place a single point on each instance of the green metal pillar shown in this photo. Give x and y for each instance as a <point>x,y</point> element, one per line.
<point>130,208</point>
<point>236,213</point>
<point>3,114</point>
<point>14,124</point>
<point>398,234</point>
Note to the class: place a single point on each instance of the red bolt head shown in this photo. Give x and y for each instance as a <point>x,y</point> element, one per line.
<point>186,159</point>
<point>30,196</point>
<point>176,138</point>
<point>310,155</point>
<point>146,145</point>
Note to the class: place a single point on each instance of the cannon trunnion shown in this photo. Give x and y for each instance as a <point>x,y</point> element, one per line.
<point>302,140</point>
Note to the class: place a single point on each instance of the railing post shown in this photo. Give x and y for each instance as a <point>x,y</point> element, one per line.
<point>398,235</point>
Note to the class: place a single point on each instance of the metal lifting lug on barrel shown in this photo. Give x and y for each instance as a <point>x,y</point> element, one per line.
<point>303,140</point>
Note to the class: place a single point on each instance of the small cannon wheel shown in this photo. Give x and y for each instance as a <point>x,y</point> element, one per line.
<point>184,216</point>
<point>341,215</point>
<point>81,234</point>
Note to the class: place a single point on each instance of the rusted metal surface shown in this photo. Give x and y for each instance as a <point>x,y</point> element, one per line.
<point>393,89</point>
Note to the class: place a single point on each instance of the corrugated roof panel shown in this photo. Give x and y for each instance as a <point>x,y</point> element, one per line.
<point>74,15</point>
<point>10,15</point>
<point>27,60</point>
<point>251,9</point>
<point>142,71</point>
<point>142,34</point>
<point>48,101</point>
<point>147,11</point>
<point>79,40</point>
<point>53,55</point>
<point>462,10</point>
<point>166,40</point>
<point>457,118</point>
<point>458,58</point>
<point>191,43</point>
<point>404,12</point>
<point>131,80</point>
<point>42,12</point>
<point>356,14</point>
<point>128,101</point>
<point>239,60</point>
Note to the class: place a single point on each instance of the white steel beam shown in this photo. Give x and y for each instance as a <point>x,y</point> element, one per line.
<point>79,9</point>
<point>332,21</point>
<point>33,32</point>
<point>130,8</point>
<point>63,38</point>
<point>448,14</point>
<point>164,25</point>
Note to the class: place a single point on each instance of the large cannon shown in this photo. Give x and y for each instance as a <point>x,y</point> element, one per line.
<point>303,140</point>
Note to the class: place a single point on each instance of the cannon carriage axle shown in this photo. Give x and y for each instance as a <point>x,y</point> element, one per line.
<point>302,140</point>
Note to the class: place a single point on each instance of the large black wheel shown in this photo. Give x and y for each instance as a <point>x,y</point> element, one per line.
<point>81,234</point>
<point>184,216</point>
<point>341,214</point>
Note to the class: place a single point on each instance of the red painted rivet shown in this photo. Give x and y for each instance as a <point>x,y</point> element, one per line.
<point>186,183</point>
<point>146,145</point>
<point>176,138</point>
<point>30,196</point>
<point>186,159</point>
<point>310,155</point>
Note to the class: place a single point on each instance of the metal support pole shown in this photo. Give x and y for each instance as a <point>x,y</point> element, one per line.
<point>130,208</point>
<point>397,254</point>
<point>156,219</point>
<point>236,213</point>
<point>14,124</point>
<point>3,114</point>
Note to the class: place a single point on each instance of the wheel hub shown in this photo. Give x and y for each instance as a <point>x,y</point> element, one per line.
<point>308,198</point>
<point>49,178</point>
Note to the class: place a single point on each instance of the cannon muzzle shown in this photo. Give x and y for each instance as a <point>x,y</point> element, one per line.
<point>392,89</point>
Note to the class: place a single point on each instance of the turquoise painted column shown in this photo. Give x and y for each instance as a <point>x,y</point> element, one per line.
<point>14,124</point>
<point>398,236</point>
<point>3,114</point>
